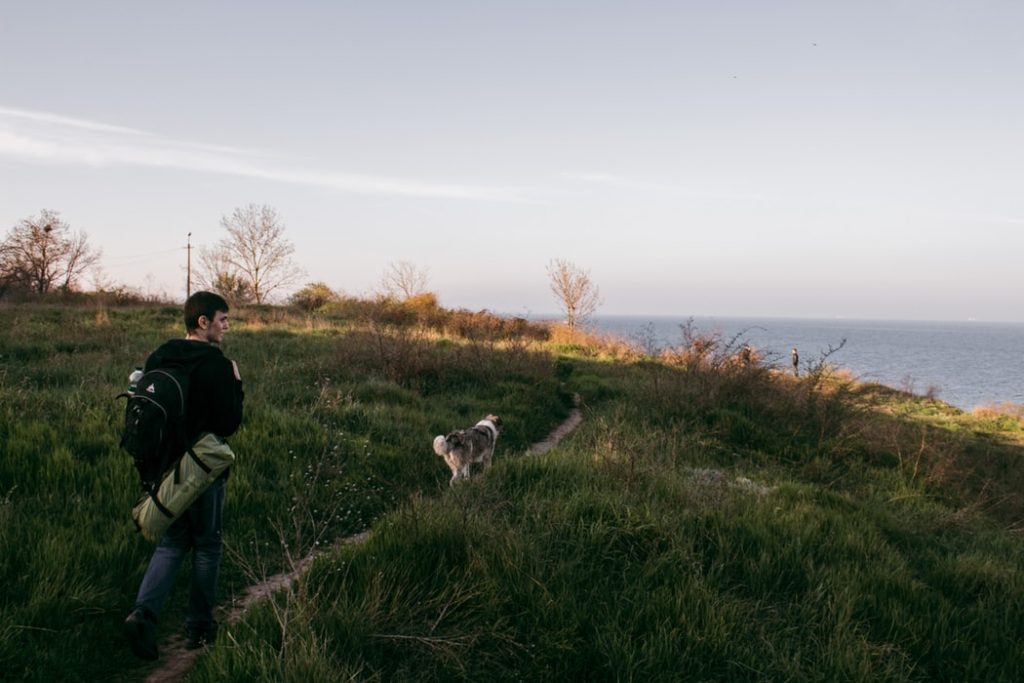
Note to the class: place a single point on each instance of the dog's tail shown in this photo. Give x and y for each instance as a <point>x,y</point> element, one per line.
<point>440,445</point>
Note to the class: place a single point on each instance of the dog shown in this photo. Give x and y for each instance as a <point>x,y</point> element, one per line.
<point>463,448</point>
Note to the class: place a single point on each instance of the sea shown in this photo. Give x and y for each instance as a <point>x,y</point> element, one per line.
<point>965,364</point>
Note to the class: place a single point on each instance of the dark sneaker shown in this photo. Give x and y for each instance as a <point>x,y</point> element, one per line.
<point>141,634</point>
<point>196,638</point>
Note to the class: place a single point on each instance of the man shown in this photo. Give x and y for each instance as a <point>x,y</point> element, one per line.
<point>213,405</point>
<point>796,362</point>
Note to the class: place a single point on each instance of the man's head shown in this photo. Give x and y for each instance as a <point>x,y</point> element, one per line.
<point>206,317</point>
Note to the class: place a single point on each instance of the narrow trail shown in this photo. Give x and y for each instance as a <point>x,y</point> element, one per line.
<point>563,430</point>
<point>176,660</point>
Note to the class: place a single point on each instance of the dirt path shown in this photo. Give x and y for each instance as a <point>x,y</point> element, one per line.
<point>561,431</point>
<point>176,660</point>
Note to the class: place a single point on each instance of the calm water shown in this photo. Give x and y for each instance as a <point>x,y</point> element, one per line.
<point>970,363</point>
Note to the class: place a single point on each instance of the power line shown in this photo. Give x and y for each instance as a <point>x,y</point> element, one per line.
<point>188,280</point>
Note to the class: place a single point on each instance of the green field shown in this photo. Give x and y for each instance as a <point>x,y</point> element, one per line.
<point>710,520</point>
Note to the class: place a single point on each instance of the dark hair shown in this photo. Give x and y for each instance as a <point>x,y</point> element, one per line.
<point>200,304</point>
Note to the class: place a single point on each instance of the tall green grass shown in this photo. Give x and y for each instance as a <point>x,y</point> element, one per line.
<point>555,569</point>
<point>712,519</point>
<point>337,431</point>
<point>710,522</point>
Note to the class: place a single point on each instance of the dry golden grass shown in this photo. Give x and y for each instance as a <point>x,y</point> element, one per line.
<point>1003,409</point>
<point>593,343</point>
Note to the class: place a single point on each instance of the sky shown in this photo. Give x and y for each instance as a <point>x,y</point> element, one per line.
<point>810,159</point>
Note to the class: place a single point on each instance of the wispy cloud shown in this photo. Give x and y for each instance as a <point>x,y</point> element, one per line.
<point>65,121</point>
<point>619,181</point>
<point>42,137</point>
<point>611,180</point>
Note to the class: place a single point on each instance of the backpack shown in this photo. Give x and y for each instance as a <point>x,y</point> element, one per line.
<point>154,422</point>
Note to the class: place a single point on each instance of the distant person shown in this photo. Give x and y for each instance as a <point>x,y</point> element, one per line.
<point>213,405</point>
<point>747,355</point>
<point>796,362</point>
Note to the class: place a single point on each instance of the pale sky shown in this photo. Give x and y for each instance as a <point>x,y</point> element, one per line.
<point>769,158</point>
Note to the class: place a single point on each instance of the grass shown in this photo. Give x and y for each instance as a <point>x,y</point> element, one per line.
<point>711,520</point>
<point>562,568</point>
<point>337,432</point>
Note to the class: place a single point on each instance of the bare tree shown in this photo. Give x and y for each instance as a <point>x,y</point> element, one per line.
<point>43,254</point>
<point>576,293</point>
<point>404,280</point>
<point>254,260</point>
<point>217,273</point>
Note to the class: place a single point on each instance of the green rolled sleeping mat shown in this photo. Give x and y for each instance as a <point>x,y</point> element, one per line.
<point>192,475</point>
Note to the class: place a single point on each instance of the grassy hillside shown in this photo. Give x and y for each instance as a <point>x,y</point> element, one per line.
<point>339,420</point>
<point>711,520</point>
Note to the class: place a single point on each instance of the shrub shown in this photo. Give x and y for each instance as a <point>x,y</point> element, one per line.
<point>313,296</point>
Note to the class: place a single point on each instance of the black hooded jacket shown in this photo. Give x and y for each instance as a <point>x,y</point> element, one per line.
<point>214,402</point>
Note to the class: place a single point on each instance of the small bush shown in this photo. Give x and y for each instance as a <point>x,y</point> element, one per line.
<point>313,296</point>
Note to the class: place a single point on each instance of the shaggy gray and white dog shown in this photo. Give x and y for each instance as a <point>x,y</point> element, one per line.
<point>463,448</point>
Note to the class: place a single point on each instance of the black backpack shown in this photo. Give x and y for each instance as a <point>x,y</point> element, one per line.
<point>154,422</point>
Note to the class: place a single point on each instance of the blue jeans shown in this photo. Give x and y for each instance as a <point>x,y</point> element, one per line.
<point>199,529</point>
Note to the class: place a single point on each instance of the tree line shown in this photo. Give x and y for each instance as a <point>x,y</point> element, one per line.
<point>253,263</point>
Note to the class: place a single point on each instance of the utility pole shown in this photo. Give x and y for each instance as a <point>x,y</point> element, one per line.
<point>188,281</point>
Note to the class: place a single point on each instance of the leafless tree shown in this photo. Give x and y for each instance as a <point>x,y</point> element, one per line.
<point>254,260</point>
<point>42,254</point>
<point>576,293</point>
<point>404,280</point>
<point>217,273</point>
